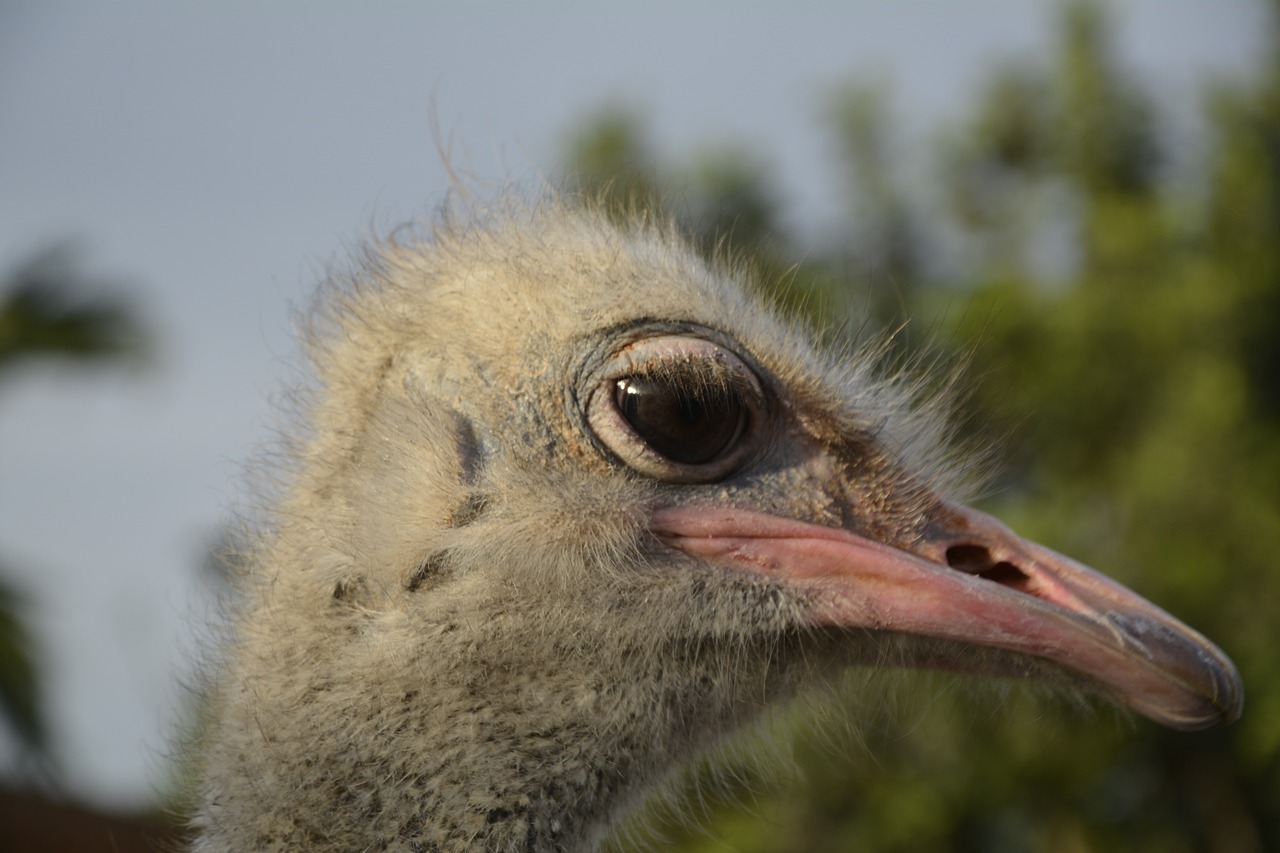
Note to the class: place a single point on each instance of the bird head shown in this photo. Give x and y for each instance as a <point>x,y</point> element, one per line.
<point>547,417</point>
<point>569,506</point>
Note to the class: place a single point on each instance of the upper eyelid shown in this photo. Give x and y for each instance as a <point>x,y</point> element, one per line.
<point>682,355</point>
<point>706,373</point>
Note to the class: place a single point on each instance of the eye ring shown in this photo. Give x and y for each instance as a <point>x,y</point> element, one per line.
<point>678,408</point>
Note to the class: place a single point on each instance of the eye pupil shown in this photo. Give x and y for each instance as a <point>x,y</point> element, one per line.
<point>689,427</point>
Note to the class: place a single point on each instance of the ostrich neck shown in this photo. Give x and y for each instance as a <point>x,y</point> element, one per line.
<point>477,734</point>
<point>551,759</point>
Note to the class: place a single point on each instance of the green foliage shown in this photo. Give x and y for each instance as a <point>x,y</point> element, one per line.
<point>45,311</point>
<point>1126,330</point>
<point>723,200</point>
<point>19,702</point>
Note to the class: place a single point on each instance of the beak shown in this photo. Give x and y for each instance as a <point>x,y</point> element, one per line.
<point>971,580</point>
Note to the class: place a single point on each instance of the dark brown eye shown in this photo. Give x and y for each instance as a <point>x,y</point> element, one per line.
<point>687,426</point>
<point>678,408</point>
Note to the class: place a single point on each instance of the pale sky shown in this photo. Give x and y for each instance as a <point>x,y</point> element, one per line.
<point>214,157</point>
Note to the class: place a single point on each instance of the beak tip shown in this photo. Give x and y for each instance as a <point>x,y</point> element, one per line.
<point>1228,694</point>
<point>1218,699</point>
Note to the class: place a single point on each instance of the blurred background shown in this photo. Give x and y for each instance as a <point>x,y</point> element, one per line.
<point>1083,199</point>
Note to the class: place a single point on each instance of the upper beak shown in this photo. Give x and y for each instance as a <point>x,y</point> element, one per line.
<point>970,579</point>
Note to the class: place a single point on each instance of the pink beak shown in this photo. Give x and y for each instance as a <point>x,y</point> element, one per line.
<point>970,579</point>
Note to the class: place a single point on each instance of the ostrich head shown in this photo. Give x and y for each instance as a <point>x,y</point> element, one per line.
<point>571,506</point>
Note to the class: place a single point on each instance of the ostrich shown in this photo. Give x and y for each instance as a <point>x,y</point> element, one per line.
<point>571,507</point>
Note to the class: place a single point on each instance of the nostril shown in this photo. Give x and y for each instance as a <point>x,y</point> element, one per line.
<point>977,560</point>
<point>971,559</point>
<point>1007,574</point>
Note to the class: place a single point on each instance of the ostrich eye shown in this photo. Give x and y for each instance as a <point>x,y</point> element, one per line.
<point>680,409</point>
<point>690,426</point>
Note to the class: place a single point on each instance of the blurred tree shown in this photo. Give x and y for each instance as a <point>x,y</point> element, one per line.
<point>723,200</point>
<point>46,311</point>
<point>1128,332</point>
<point>19,686</point>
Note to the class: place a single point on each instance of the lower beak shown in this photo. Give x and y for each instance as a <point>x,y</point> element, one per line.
<point>971,580</point>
